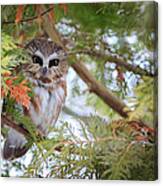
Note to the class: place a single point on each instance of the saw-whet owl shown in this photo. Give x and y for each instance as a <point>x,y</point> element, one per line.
<point>46,70</point>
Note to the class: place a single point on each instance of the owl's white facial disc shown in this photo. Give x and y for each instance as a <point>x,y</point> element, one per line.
<point>49,62</point>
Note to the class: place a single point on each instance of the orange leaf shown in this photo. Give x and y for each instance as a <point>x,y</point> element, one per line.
<point>51,13</point>
<point>141,138</point>
<point>64,7</point>
<point>9,82</point>
<point>19,13</point>
<point>18,92</point>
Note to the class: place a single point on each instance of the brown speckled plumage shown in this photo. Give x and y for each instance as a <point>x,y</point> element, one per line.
<point>46,70</point>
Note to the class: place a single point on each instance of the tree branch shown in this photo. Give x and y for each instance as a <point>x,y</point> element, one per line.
<point>28,19</point>
<point>5,120</point>
<point>96,87</point>
<point>117,60</point>
<point>49,27</point>
<point>105,94</point>
<point>136,125</point>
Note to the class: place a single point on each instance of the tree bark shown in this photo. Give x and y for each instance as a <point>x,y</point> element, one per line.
<point>117,60</point>
<point>96,87</point>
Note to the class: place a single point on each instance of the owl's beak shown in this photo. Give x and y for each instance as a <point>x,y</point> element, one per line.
<point>45,70</point>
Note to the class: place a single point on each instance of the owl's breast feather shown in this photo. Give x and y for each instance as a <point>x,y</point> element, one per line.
<point>46,106</point>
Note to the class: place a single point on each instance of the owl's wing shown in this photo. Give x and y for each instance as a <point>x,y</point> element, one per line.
<point>15,145</point>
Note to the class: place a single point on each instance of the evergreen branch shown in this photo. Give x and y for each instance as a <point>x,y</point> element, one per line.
<point>96,87</point>
<point>117,168</point>
<point>49,27</point>
<point>115,59</point>
<point>28,19</point>
<point>6,120</point>
<point>101,91</point>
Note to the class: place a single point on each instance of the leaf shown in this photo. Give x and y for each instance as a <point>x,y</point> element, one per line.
<point>51,13</point>
<point>64,7</point>
<point>19,92</point>
<point>19,13</point>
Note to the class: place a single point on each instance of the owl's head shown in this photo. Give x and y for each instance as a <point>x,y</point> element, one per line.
<point>48,61</point>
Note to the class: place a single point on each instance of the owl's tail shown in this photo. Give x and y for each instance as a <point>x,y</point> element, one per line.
<point>15,145</point>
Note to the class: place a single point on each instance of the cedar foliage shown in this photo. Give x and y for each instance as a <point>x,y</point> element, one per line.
<point>101,145</point>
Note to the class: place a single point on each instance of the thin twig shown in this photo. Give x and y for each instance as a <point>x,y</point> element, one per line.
<point>114,59</point>
<point>28,19</point>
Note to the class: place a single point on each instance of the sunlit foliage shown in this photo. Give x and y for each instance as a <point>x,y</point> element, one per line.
<point>90,140</point>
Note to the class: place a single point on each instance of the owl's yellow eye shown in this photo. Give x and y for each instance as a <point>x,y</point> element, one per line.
<point>37,60</point>
<point>53,62</point>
